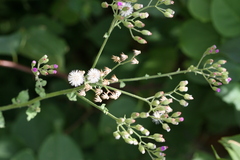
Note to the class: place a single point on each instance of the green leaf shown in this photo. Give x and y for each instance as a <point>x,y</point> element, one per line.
<point>232,145</point>
<point>199,155</point>
<point>32,133</point>
<point>195,37</point>
<point>88,135</point>
<point>225,17</point>
<point>39,42</point>
<point>72,96</point>
<point>9,44</point>
<point>230,94</point>
<point>200,9</point>
<point>40,91</point>
<point>33,110</point>
<point>122,84</point>
<point>59,147</point>
<point>26,154</point>
<point>231,49</point>
<point>21,98</point>
<point>2,121</point>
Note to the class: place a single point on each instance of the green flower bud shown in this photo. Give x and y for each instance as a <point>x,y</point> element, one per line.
<point>146,32</point>
<point>183,89</point>
<point>168,2</point>
<point>120,120</point>
<point>144,114</point>
<point>135,115</point>
<point>135,14</point>
<point>151,146</point>
<point>143,15</point>
<point>155,102</point>
<point>130,120</point>
<point>129,140</point>
<point>141,149</point>
<point>44,59</point>
<point>140,40</point>
<point>43,72</point>
<point>188,97</point>
<point>128,24</point>
<point>145,132</point>
<point>125,134</point>
<point>104,5</point>
<point>222,62</point>
<point>176,114</point>
<point>137,6</point>
<point>116,135</point>
<point>183,83</point>
<point>166,127</point>
<point>159,94</point>
<point>33,63</point>
<point>183,103</point>
<point>209,61</point>
<point>139,24</point>
<point>139,127</point>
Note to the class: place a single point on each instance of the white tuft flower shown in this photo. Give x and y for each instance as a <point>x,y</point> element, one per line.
<point>126,9</point>
<point>93,75</point>
<point>76,77</point>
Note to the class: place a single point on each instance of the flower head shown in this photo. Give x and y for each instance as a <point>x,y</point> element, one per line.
<point>126,9</point>
<point>93,75</point>
<point>76,77</point>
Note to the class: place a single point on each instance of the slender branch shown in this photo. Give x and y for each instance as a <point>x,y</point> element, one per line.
<point>49,95</point>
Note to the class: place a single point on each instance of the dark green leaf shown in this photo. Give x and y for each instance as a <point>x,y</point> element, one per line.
<point>59,147</point>
<point>39,42</point>
<point>200,9</point>
<point>26,154</point>
<point>225,17</point>
<point>9,44</point>
<point>196,37</point>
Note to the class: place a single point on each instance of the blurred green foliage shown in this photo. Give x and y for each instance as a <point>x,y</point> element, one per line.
<point>70,32</point>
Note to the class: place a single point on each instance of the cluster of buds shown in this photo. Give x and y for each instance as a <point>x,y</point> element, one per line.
<point>127,130</point>
<point>213,72</point>
<point>123,57</point>
<point>46,69</point>
<point>127,12</point>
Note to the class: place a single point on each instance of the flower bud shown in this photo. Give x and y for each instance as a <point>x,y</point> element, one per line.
<point>120,120</point>
<point>146,32</point>
<point>183,83</point>
<point>137,6</point>
<point>163,148</point>
<point>176,114</point>
<point>188,97</point>
<point>130,120</point>
<point>180,119</point>
<point>140,40</point>
<point>104,5</point>
<point>34,69</point>
<point>143,15</point>
<point>145,132</point>
<point>209,61</point>
<point>44,59</point>
<point>125,134</point>
<point>166,127</point>
<point>155,103</point>
<point>52,71</point>
<point>216,89</point>
<point>221,61</point>
<point>183,103</point>
<point>33,63</point>
<point>159,94</point>
<point>130,130</point>
<point>141,149</point>
<point>135,14</point>
<point>116,135</point>
<point>43,72</point>
<point>139,127</point>
<point>151,146</point>
<point>183,89</point>
<point>135,115</point>
<point>128,24</point>
<point>129,140</point>
<point>139,24</point>
<point>144,114</point>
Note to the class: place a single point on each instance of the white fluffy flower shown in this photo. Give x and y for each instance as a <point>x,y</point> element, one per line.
<point>93,75</point>
<point>126,9</point>
<point>76,77</point>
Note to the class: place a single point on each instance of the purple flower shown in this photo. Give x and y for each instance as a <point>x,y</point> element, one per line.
<point>218,90</point>
<point>55,66</point>
<point>228,79</point>
<point>120,3</point>
<point>34,62</point>
<point>217,50</point>
<point>54,72</point>
<point>181,119</point>
<point>163,148</point>
<point>34,69</point>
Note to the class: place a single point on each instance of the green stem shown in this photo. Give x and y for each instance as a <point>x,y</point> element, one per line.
<point>154,76</point>
<point>113,24</point>
<point>98,107</point>
<point>49,95</point>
